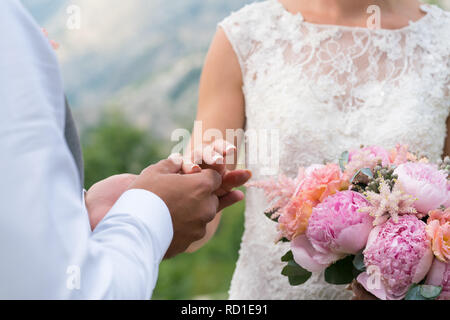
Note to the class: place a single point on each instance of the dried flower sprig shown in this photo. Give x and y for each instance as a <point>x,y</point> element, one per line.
<point>388,202</point>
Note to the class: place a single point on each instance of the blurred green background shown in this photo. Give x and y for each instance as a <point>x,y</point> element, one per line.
<point>115,145</point>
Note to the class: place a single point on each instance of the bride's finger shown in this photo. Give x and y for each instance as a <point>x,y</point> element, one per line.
<point>189,164</point>
<point>223,147</point>
<point>233,179</point>
<point>189,167</point>
<point>212,157</point>
<point>230,199</point>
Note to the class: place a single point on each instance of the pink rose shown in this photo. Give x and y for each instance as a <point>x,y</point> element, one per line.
<point>368,157</point>
<point>439,275</point>
<point>336,228</point>
<point>400,154</point>
<point>373,152</point>
<point>397,255</point>
<point>425,182</point>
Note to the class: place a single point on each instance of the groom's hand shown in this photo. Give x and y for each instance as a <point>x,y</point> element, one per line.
<point>101,196</point>
<point>190,199</point>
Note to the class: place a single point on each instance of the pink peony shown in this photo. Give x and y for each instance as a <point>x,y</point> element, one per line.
<point>438,229</point>
<point>447,203</point>
<point>397,255</point>
<point>425,182</point>
<point>439,275</point>
<point>336,228</point>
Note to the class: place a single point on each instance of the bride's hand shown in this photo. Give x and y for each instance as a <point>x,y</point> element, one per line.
<point>215,156</point>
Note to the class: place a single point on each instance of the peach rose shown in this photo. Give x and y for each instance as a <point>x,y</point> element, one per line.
<point>438,230</point>
<point>320,182</point>
<point>316,183</point>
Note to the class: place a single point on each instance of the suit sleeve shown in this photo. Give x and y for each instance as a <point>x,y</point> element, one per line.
<point>47,248</point>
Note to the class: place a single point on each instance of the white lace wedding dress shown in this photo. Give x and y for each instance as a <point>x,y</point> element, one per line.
<point>327,89</point>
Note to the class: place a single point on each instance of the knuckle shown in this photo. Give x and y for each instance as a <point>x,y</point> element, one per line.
<point>201,232</point>
<point>148,169</point>
<point>126,177</point>
<point>209,216</point>
<point>215,175</point>
<point>164,162</point>
<point>204,184</point>
<point>215,203</point>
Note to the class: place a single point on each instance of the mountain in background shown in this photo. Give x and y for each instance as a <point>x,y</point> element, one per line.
<point>144,56</point>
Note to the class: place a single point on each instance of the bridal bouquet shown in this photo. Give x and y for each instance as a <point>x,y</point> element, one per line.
<point>377,217</point>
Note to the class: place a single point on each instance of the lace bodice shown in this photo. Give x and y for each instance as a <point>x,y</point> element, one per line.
<point>326,89</point>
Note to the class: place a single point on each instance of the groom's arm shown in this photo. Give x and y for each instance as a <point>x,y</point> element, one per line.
<point>47,248</point>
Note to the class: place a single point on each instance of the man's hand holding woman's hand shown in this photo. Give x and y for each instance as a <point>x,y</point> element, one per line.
<point>216,156</point>
<point>193,198</point>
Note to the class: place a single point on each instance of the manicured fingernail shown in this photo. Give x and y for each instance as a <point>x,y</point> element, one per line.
<point>230,148</point>
<point>218,159</point>
<point>247,176</point>
<point>195,168</point>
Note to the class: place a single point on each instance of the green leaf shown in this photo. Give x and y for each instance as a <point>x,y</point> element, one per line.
<point>293,269</point>
<point>367,172</point>
<point>343,160</point>
<point>358,262</point>
<point>429,291</point>
<point>414,293</point>
<point>341,272</point>
<point>358,177</point>
<point>295,273</point>
<point>298,280</point>
<point>287,257</point>
<point>423,292</point>
<point>354,176</point>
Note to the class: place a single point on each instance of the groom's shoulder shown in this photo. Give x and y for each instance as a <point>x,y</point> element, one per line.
<point>10,8</point>
<point>13,16</point>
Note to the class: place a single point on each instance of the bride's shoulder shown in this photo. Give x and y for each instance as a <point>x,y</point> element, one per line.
<point>439,16</point>
<point>435,34</point>
<point>252,14</point>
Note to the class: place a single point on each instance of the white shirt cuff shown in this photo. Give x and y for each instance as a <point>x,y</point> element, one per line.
<point>149,209</point>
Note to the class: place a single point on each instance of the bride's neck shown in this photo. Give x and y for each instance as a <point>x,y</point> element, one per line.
<point>339,7</point>
<point>341,11</point>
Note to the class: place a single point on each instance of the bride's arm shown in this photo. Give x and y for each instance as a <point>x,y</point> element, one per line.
<point>221,102</point>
